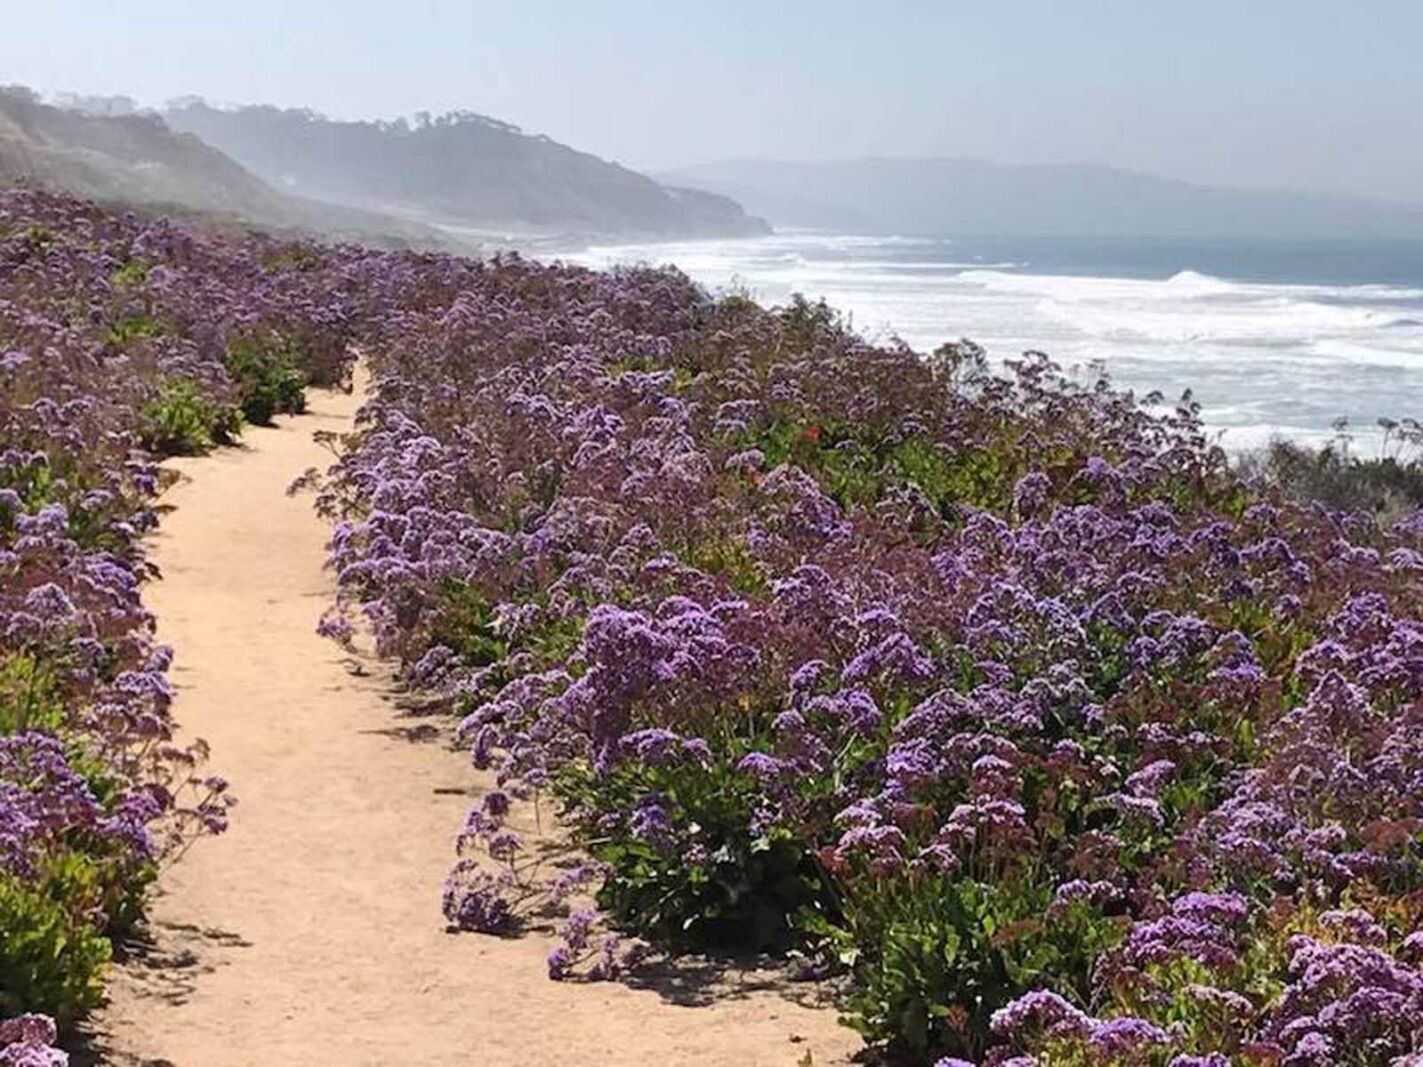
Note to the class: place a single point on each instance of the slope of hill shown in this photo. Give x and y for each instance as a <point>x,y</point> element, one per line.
<point>459,168</point>
<point>948,196</point>
<point>137,159</point>
<point>128,157</point>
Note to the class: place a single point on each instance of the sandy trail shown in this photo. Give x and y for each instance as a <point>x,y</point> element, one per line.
<point>311,932</point>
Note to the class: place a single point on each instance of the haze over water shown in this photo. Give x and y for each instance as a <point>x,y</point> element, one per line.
<point>1272,337</point>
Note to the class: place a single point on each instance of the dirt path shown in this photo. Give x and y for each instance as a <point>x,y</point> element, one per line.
<point>311,932</point>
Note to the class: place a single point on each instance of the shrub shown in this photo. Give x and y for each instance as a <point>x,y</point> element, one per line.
<point>75,861</point>
<point>52,957</point>
<point>685,867</point>
<point>1389,486</point>
<point>133,327</point>
<point>181,421</point>
<point>936,956</point>
<point>267,378</point>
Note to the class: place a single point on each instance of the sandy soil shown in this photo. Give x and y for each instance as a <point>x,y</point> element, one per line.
<point>311,932</point>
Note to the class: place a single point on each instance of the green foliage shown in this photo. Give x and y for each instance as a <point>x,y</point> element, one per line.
<point>1388,486</point>
<point>466,623</point>
<point>133,327</point>
<point>729,557</point>
<point>39,237</point>
<point>268,379</point>
<point>180,421</point>
<point>948,952</point>
<point>856,466</point>
<point>132,273</point>
<point>723,887</point>
<point>29,695</point>
<point>295,258</point>
<point>63,480</point>
<point>33,483</point>
<point>126,898</point>
<point>804,322</point>
<point>52,958</point>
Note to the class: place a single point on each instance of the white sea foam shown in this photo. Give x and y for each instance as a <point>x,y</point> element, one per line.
<point>1263,358</point>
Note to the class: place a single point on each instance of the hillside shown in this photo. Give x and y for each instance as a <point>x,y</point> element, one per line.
<point>978,197</point>
<point>137,159</point>
<point>460,169</point>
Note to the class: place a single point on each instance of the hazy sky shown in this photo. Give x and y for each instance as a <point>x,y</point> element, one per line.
<point>1324,94</point>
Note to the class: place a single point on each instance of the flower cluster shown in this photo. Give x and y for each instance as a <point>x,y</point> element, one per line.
<point>29,1041</point>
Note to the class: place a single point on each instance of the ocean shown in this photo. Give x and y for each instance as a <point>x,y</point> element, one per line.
<point>1273,338</point>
